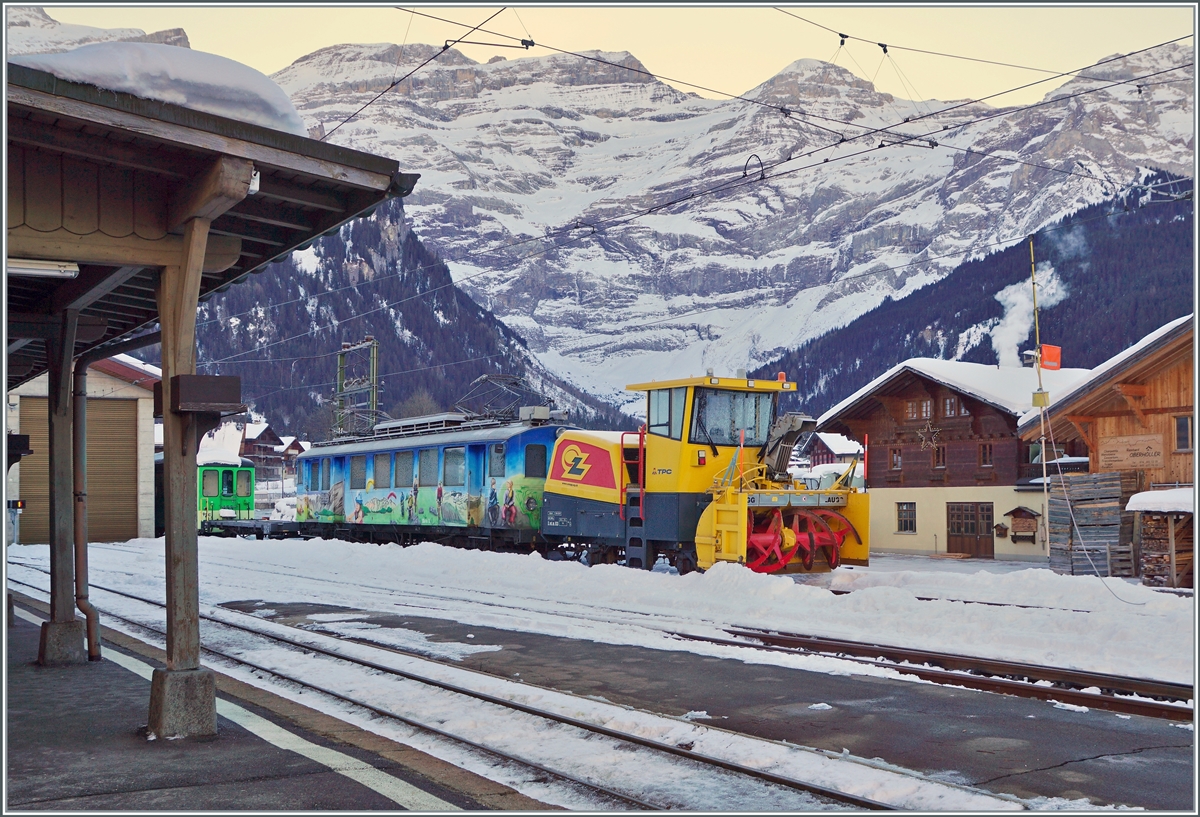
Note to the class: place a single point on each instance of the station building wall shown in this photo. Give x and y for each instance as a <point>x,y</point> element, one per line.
<point>930,537</point>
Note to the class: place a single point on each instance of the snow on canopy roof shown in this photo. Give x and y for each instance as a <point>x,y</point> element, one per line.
<point>839,444</point>
<point>178,76</point>
<point>1172,500</point>
<point>134,363</point>
<point>1102,371</point>
<point>1008,388</point>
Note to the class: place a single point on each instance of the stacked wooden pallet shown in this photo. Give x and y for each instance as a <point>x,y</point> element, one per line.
<point>1090,535</point>
<point>1155,551</point>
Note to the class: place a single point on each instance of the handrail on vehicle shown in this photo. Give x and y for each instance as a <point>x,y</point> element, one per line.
<point>640,462</point>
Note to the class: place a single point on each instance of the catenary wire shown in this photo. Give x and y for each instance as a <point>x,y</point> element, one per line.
<point>374,99</point>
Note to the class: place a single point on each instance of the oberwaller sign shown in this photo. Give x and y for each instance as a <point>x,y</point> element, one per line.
<point>1131,453</point>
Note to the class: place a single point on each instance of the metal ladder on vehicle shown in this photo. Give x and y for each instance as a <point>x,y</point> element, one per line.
<point>636,547</point>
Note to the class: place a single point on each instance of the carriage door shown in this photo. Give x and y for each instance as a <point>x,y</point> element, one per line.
<point>969,529</point>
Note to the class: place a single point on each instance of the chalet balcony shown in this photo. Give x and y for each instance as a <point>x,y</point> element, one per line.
<point>1069,465</point>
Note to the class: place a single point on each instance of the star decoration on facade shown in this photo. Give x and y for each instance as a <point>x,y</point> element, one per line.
<point>928,435</point>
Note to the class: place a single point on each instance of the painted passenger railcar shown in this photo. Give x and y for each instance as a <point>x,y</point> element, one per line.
<point>450,478</point>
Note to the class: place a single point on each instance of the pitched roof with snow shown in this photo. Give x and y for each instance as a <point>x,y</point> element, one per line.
<point>1113,365</point>
<point>839,444</point>
<point>1008,388</point>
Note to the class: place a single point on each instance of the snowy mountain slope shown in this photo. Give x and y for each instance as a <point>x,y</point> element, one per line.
<point>29,30</point>
<point>519,157</point>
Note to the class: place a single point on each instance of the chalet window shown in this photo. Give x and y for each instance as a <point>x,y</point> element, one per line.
<point>985,455</point>
<point>911,409</point>
<point>906,517</point>
<point>404,469</point>
<point>939,456</point>
<point>358,473</point>
<point>1183,433</point>
<point>381,471</point>
<point>896,459</point>
<point>949,406</point>
<point>496,460</point>
<point>926,409</point>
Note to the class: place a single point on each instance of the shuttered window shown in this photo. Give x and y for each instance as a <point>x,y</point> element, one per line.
<point>535,461</point>
<point>404,469</point>
<point>358,472</point>
<point>382,471</point>
<point>429,469</point>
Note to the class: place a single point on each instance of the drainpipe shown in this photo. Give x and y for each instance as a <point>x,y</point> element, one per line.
<point>79,456</point>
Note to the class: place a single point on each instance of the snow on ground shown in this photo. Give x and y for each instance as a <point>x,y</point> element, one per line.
<point>1078,622</point>
<point>612,604</point>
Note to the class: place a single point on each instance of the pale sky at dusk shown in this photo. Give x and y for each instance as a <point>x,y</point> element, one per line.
<point>724,48</point>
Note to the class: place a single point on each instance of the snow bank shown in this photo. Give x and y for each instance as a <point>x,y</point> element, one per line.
<point>1076,622</point>
<point>179,76</point>
<point>1172,500</point>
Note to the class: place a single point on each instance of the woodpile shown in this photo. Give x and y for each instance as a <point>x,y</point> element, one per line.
<point>1090,534</point>
<point>1156,546</point>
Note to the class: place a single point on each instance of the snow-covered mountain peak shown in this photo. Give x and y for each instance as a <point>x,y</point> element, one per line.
<point>30,30</point>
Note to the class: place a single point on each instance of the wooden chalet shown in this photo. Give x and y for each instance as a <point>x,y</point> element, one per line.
<point>823,448</point>
<point>1134,413</point>
<point>944,460</point>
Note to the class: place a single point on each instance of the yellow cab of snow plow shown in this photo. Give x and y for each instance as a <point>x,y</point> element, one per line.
<point>704,481</point>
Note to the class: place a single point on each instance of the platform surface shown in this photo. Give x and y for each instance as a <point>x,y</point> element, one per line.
<point>76,740</point>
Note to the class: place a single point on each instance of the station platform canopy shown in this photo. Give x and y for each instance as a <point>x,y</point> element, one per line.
<point>104,182</point>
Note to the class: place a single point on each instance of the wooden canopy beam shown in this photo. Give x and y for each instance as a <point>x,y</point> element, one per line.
<point>97,248</point>
<point>1130,393</point>
<point>38,326</point>
<point>81,144</point>
<point>225,183</point>
<point>1086,426</point>
<point>92,284</point>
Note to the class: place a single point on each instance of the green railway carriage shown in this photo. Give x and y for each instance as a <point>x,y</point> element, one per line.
<point>224,490</point>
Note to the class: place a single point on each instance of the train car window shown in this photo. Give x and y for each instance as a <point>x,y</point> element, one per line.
<point>719,417</point>
<point>226,483</point>
<point>325,474</point>
<point>454,467</point>
<point>666,412</point>
<point>428,467</point>
<point>496,460</point>
<point>381,472</point>
<point>358,472</point>
<point>535,461</point>
<point>209,482</point>
<point>243,483</point>
<point>404,469</point>
<point>307,472</point>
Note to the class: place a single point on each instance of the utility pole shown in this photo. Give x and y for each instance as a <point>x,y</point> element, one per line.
<point>349,411</point>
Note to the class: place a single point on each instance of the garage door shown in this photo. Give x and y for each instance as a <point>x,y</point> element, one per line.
<point>112,471</point>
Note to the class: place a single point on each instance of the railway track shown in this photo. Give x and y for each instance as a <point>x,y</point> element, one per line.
<point>822,795</point>
<point>1114,693</point>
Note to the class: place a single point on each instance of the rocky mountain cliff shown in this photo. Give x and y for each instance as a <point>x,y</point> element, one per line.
<point>532,169</point>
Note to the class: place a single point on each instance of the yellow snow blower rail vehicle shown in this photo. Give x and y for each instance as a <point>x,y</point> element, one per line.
<point>704,481</point>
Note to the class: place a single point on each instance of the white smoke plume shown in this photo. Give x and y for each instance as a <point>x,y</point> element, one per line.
<point>1017,300</point>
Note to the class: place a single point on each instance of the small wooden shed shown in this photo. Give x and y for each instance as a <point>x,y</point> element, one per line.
<point>1165,535</point>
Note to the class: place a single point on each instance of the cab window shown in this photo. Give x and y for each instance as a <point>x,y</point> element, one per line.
<point>719,417</point>
<point>535,461</point>
<point>209,483</point>
<point>665,416</point>
<point>243,483</point>
<point>226,483</point>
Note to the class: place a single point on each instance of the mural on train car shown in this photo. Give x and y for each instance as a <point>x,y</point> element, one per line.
<point>509,500</point>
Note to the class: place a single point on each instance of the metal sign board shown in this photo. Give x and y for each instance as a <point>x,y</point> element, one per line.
<point>1136,452</point>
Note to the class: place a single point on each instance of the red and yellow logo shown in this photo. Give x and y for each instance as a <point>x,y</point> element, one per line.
<point>582,463</point>
<point>574,464</point>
